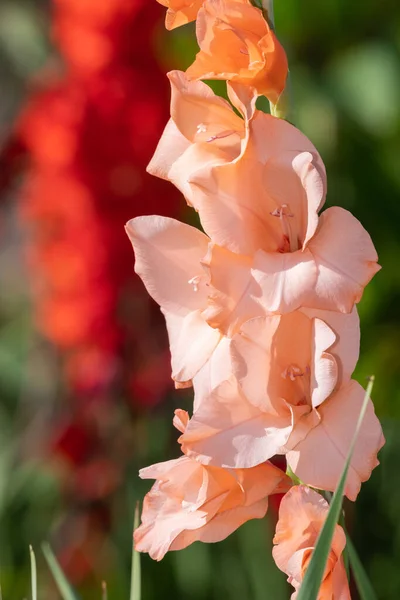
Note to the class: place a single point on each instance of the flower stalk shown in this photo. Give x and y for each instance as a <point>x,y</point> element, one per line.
<point>260,308</point>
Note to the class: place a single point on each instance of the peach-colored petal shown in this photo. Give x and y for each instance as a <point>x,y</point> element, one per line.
<point>222,525</point>
<point>255,56</point>
<point>190,502</point>
<point>233,295</point>
<point>346,348</point>
<point>216,370</point>
<point>271,136</point>
<point>345,258</point>
<point>228,431</point>
<point>299,507</point>
<point>198,158</point>
<point>203,131</point>
<point>324,370</point>
<point>247,205</point>
<point>285,357</point>
<point>168,255</point>
<point>199,114</point>
<point>287,280</point>
<point>170,148</point>
<point>243,98</point>
<point>181,419</point>
<point>192,343</point>
<point>319,459</point>
<point>340,585</point>
<point>251,351</point>
<point>180,12</point>
<point>302,514</point>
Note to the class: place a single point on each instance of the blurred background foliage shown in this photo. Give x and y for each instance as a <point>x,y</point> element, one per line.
<point>69,451</point>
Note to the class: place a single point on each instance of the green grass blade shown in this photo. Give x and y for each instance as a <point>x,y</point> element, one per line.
<point>33,573</point>
<point>65,589</point>
<point>313,578</point>
<point>135,573</point>
<point>361,578</point>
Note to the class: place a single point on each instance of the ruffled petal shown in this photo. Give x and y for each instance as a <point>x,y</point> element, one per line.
<point>228,431</point>
<point>345,258</point>
<point>170,148</point>
<point>192,342</point>
<point>319,459</point>
<point>168,255</point>
<point>324,370</point>
<point>180,12</point>
<point>287,280</point>
<point>233,297</point>
<point>222,525</point>
<point>216,370</point>
<point>199,113</point>
<point>346,347</point>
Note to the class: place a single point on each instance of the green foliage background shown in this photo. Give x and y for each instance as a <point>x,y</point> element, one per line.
<point>345,69</point>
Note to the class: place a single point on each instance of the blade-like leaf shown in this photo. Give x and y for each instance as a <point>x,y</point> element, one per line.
<point>135,573</point>
<point>65,589</point>
<point>33,573</point>
<point>313,578</point>
<point>364,586</point>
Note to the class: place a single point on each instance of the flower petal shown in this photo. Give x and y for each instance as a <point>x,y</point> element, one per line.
<point>192,342</point>
<point>233,297</point>
<point>228,431</point>
<point>198,111</point>
<point>345,258</point>
<point>168,255</point>
<point>346,348</point>
<point>222,525</point>
<point>216,370</point>
<point>171,146</point>
<point>319,459</point>
<point>324,370</point>
<point>287,280</point>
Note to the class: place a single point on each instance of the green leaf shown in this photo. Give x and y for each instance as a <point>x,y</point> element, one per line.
<point>65,589</point>
<point>33,573</point>
<point>313,578</point>
<point>361,578</point>
<point>135,573</point>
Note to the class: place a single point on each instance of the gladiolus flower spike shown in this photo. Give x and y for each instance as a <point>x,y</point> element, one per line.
<point>260,307</point>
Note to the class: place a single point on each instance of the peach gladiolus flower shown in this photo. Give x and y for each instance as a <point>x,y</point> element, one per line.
<point>203,131</point>
<point>237,44</point>
<point>180,12</point>
<point>266,205</point>
<point>302,514</point>
<point>291,394</point>
<point>171,259</point>
<point>191,502</point>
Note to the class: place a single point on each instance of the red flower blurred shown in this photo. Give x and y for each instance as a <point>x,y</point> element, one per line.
<point>88,135</point>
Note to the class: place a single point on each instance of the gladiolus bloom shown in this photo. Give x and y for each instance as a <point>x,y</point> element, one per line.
<point>203,131</point>
<point>287,396</point>
<point>191,502</point>
<point>301,516</point>
<point>237,44</point>
<point>266,205</point>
